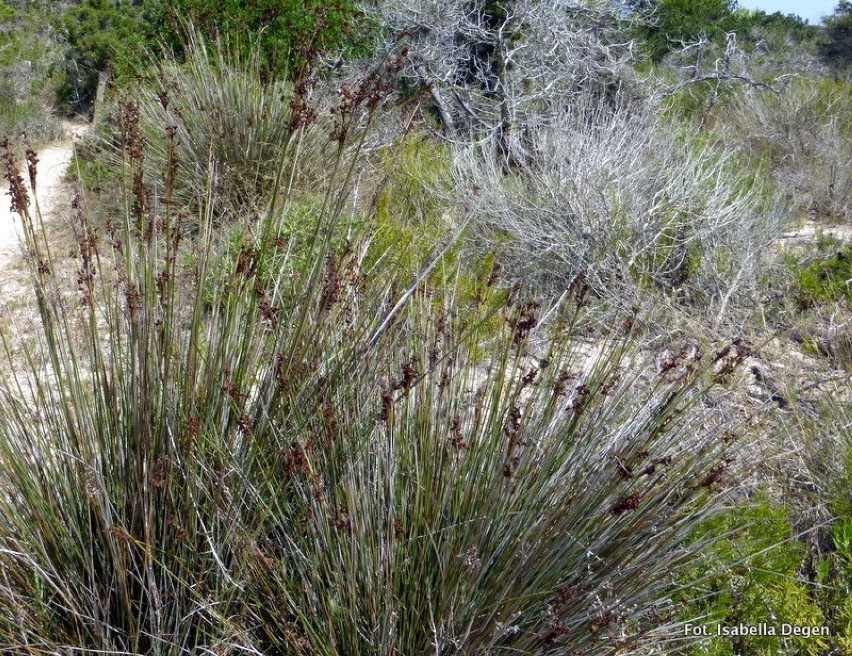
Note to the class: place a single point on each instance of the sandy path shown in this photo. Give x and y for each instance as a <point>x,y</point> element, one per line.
<point>54,199</point>
<point>53,162</point>
<point>18,313</point>
<point>809,231</point>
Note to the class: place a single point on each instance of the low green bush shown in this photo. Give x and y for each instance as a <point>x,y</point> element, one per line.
<point>102,36</point>
<point>785,559</point>
<point>411,200</point>
<point>825,279</point>
<point>288,32</point>
<point>760,584</point>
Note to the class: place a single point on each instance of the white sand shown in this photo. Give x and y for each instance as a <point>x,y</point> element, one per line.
<point>53,195</point>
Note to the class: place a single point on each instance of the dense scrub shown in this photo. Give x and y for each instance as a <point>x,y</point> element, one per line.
<point>28,79</point>
<point>633,203</point>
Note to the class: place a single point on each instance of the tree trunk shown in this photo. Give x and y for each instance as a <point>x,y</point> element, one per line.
<point>97,108</point>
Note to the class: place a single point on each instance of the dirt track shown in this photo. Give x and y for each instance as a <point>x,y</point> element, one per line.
<point>53,194</point>
<point>53,197</point>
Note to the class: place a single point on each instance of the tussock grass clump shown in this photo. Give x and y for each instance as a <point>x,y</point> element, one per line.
<point>219,128</point>
<point>31,117</point>
<point>307,459</point>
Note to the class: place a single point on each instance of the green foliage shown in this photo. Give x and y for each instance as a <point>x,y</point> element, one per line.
<point>28,59</point>
<point>104,35</point>
<point>413,213</point>
<point>668,23</point>
<point>777,31</point>
<point>410,211</point>
<point>287,30</point>
<point>107,33</point>
<point>119,35</point>
<point>842,536</point>
<point>676,21</point>
<point>835,48</point>
<point>760,560</point>
<point>827,279</point>
<point>765,571</point>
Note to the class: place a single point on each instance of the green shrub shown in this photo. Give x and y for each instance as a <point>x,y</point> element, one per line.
<point>115,35</point>
<point>103,36</point>
<point>28,58</point>
<point>760,560</point>
<point>814,479</point>
<point>834,47</point>
<point>287,30</point>
<point>674,22</point>
<point>411,201</point>
<point>826,279</point>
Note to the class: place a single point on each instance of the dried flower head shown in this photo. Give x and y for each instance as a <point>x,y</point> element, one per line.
<point>17,189</point>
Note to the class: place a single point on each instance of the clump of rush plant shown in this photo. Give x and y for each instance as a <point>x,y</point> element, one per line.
<point>313,461</point>
<point>228,124</point>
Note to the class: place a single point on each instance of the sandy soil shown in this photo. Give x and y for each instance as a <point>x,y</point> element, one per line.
<point>18,312</point>
<point>54,194</point>
<point>807,234</point>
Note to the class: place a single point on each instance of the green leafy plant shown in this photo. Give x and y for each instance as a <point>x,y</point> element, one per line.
<point>826,279</point>
<point>673,23</point>
<point>760,585</point>
<point>103,36</point>
<point>286,30</point>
